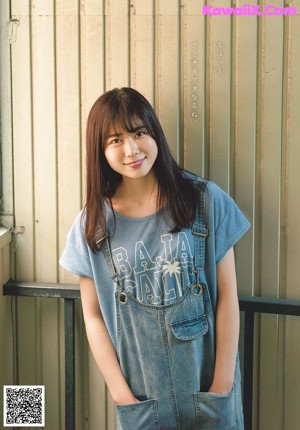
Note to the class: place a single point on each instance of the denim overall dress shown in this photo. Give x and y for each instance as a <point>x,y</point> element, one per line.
<point>167,355</point>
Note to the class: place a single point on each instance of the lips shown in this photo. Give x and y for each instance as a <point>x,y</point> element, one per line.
<point>136,163</point>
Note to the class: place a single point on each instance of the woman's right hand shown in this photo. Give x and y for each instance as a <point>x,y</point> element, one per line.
<point>127,401</point>
<point>101,345</point>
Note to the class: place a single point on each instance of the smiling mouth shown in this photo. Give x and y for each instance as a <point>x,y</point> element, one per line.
<point>136,163</point>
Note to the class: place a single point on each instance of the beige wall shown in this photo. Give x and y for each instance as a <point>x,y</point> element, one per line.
<point>227,91</point>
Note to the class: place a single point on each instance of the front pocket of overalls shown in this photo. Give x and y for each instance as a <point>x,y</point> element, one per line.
<point>190,328</point>
<point>138,416</point>
<point>215,411</point>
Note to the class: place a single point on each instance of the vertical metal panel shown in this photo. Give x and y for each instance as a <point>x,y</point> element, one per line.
<point>7,34</point>
<point>293,159</point>
<point>219,43</point>
<point>22,132</point>
<point>244,135</point>
<point>193,71</point>
<point>291,225</point>
<point>270,143</point>
<point>67,119</point>
<point>92,46</point>
<point>236,123</point>
<point>167,76</point>
<point>141,47</point>
<point>117,47</point>
<point>92,62</point>
<point>44,139</point>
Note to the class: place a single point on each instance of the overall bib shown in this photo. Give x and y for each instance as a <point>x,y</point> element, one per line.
<point>167,355</point>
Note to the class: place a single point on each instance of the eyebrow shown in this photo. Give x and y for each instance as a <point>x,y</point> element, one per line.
<point>134,130</point>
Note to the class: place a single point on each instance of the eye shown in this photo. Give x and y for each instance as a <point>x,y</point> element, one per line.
<point>116,141</point>
<point>141,133</point>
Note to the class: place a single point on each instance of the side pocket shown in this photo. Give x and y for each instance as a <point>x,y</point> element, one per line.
<point>138,416</point>
<point>215,411</point>
<point>191,328</point>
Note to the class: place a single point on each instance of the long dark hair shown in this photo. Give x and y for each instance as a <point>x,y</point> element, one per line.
<point>128,109</point>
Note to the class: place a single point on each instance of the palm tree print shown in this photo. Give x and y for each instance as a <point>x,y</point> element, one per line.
<point>173,269</point>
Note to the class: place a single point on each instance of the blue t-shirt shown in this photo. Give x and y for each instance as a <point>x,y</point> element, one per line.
<point>154,264</point>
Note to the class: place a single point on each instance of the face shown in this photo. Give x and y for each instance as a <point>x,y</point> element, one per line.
<point>131,154</point>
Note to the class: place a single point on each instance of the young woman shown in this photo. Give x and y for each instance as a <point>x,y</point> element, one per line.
<point>153,248</point>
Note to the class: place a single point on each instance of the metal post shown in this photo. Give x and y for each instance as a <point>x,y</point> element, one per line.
<point>248,369</point>
<point>69,364</point>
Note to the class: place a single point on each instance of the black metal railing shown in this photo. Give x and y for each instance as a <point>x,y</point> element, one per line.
<point>250,306</point>
<point>70,292</point>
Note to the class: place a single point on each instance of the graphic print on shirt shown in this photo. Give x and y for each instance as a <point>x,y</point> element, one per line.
<point>157,279</point>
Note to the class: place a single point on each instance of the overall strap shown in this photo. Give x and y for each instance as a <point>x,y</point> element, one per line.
<point>200,231</point>
<point>105,249</point>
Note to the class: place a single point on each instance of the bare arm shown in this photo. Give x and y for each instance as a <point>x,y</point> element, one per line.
<point>227,325</point>
<point>101,345</point>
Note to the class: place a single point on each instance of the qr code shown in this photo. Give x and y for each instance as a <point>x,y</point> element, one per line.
<point>24,406</point>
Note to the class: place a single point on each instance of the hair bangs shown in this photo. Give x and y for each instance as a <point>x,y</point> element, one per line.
<point>127,113</point>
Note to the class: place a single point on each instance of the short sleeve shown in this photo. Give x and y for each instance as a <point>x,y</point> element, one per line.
<point>229,223</point>
<point>75,257</point>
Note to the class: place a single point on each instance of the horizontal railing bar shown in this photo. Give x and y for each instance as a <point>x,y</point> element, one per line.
<point>72,291</point>
<point>266,305</point>
<point>41,289</point>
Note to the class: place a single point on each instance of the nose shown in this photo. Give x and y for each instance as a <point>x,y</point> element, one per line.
<point>130,147</point>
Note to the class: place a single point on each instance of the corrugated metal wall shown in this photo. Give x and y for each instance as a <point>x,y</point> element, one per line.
<point>227,92</point>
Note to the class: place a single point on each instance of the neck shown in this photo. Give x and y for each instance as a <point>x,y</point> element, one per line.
<point>137,188</point>
<point>136,197</point>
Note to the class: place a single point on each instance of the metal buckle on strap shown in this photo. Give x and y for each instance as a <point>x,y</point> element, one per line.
<point>201,230</point>
<point>98,237</point>
<point>122,296</point>
<point>123,299</point>
<point>197,289</point>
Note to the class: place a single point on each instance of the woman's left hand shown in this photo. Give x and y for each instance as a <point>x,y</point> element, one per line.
<point>222,389</point>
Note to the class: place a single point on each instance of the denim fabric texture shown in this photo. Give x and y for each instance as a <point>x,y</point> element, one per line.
<point>167,352</point>
<point>167,355</point>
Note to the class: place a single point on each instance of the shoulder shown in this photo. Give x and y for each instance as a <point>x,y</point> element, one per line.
<point>195,181</point>
<point>216,193</point>
<point>78,224</point>
<point>212,190</point>
<point>76,254</point>
<point>76,234</point>
<point>226,218</point>
<point>218,202</point>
